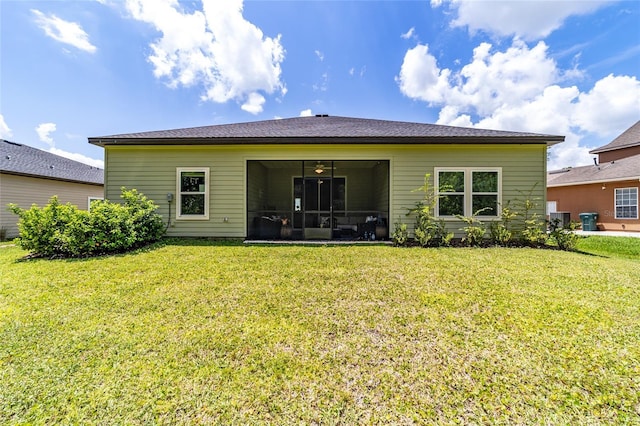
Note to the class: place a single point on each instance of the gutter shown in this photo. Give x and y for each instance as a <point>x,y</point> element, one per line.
<point>337,140</point>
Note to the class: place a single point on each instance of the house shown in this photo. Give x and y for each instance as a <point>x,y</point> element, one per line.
<point>608,188</point>
<point>321,177</point>
<point>32,176</point>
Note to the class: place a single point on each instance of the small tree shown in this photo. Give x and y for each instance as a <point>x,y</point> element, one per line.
<point>429,231</point>
<point>534,230</point>
<point>500,231</point>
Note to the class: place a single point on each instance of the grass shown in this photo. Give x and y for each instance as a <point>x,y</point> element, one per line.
<point>624,247</point>
<point>197,332</point>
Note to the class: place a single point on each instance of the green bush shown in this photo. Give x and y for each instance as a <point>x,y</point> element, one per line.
<point>534,232</point>
<point>64,230</point>
<point>400,235</point>
<point>147,225</point>
<point>500,232</point>
<point>429,231</point>
<point>520,226</point>
<point>563,236</point>
<point>474,231</point>
<point>42,229</point>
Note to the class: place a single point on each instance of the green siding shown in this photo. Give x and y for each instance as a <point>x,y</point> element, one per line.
<point>152,170</point>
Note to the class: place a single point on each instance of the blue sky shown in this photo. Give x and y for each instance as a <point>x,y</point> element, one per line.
<point>74,69</point>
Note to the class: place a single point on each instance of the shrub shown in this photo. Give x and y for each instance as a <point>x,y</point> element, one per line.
<point>474,231</point>
<point>147,225</point>
<point>63,230</point>
<point>107,228</point>
<point>400,235</point>
<point>500,232</point>
<point>429,231</point>
<point>534,231</point>
<point>563,236</point>
<point>42,229</point>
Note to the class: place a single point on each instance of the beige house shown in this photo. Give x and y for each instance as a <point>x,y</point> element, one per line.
<point>321,177</point>
<point>32,176</point>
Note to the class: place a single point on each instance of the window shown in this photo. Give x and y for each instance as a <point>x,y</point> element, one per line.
<point>626,203</point>
<point>451,189</point>
<point>484,193</point>
<point>193,193</point>
<point>467,191</point>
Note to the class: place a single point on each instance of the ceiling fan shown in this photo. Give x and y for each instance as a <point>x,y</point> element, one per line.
<point>319,168</point>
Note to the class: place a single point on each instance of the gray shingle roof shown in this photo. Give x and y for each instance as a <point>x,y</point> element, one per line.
<point>24,160</point>
<point>629,138</point>
<point>324,129</point>
<point>623,169</point>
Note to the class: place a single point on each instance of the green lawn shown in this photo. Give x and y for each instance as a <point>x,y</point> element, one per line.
<point>198,332</point>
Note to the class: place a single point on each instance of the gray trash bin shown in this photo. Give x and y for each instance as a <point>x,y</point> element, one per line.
<point>589,221</point>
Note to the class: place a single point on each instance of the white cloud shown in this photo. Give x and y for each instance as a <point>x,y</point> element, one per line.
<point>520,89</point>
<point>530,20</point>
<point>66,32</point>
<point>77,157</point>
<point>408,34</point>
<point>420,77</point>
<point>320,55</point>
<point>569,153</point>
<point>306,113</point>
<point>254,103</point>
<point>44,131</point>
<point>5,131</point>
<point>488,82</point>
<point>609,106</point>
<point>215,48</point>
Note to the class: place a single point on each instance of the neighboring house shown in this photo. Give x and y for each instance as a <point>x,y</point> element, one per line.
<point>321,177</point>
<point>32,176</point>
<point>609,187</point>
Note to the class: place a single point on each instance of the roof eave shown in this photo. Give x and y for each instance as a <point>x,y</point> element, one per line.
<point>598,181</point>
<point>337,140</point>
<point>86,182</point>
<point>613,148</point>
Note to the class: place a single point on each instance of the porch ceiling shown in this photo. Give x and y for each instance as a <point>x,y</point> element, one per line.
<point>292,164</point>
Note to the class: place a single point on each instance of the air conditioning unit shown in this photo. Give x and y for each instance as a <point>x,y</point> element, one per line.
<point>563,217</point>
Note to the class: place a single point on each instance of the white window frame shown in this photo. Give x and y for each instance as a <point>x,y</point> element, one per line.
<point>179,194</point>
<point>91,199</point>
<point>616,205</point>
<point>468,190</point>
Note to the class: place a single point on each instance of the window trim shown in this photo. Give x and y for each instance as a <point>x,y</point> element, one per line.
<point>468,190</point>
<point>615,203</point>
<point>179,194</point>
<point>90,199</point>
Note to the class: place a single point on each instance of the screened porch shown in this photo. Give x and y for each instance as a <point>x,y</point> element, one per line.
<point>318,199</point>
